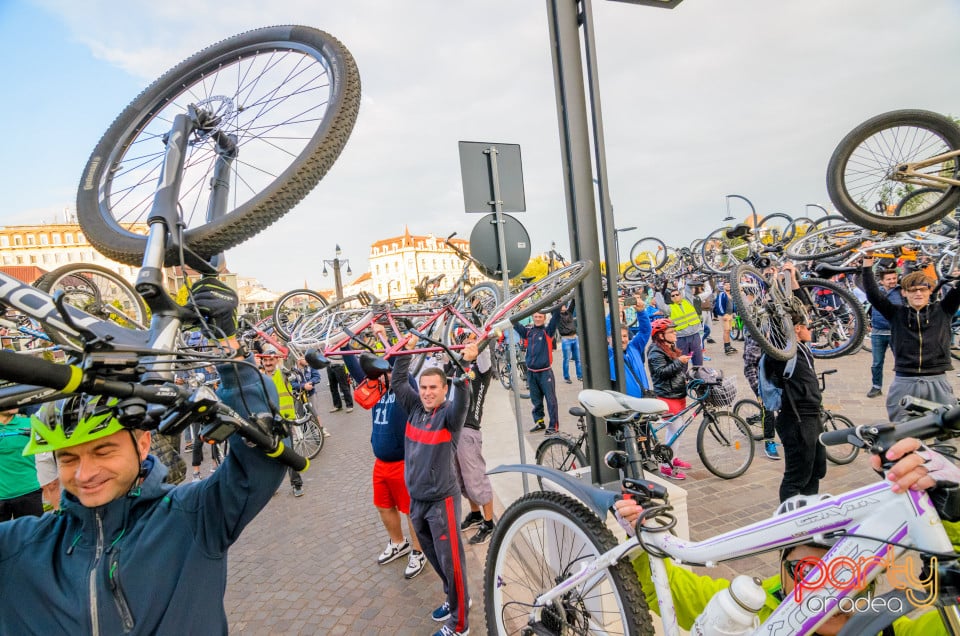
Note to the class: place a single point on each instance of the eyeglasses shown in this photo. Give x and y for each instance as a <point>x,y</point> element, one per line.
<point>918,288</point>
<point>799,566</point>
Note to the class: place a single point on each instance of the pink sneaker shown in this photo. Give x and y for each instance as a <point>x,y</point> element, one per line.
<point>679,463</point>
<point>672,473</point>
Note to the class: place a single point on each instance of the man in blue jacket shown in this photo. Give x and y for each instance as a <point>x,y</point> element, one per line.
<point>880,330</point>
<point>129,552</point>
<point>540,378</point>
<point>634,352</point>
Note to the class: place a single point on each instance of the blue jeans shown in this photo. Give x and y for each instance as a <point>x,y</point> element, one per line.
<point>879,345</point>
<point>571,350</point>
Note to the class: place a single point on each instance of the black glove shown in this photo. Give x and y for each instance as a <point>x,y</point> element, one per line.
<point>217,303</point>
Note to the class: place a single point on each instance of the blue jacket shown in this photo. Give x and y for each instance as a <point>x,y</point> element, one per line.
<point>634,357</point>
<point>389,419</point>
<point>879,322</point>
<point>151,562</point>
<point>308,375</point>
<point>540,342</point>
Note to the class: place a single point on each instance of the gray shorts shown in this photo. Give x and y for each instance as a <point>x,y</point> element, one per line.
<point>935,388</point>
<point>472,467</point>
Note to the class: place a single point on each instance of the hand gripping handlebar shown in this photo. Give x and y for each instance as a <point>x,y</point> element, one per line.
<point>69,378</point>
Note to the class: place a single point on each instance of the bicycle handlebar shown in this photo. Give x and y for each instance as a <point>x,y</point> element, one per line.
<point>880,437</point>
<point>72,379</point>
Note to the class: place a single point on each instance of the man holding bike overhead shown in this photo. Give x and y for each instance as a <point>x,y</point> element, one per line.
<point>129,552</point>
<point>919,337</point>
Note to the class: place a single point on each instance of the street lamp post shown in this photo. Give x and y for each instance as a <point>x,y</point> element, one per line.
<point>753,210</point>
<point>336,264</point>
<point>616,240</point>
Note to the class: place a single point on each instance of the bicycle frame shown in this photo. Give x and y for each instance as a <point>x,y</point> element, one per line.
<point>909,172</point>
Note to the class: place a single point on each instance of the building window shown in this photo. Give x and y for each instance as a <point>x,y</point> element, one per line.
<point>4,241</point>
<point>56,238</point>
<point>19,260</point>
<point>17,240</point>
<point>8,260</point>
<point>44,240</point>
<point>33,259</point>
<point>69,238</point>
<point>46,258</point>
<point>58,257</point>
<point>31,239</point>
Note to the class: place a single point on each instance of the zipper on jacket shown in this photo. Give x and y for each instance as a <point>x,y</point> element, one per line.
<point>92,583</point>
<point>920,348</point>
<point>118,597</point>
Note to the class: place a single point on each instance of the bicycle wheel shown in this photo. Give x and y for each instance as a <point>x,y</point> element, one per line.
<point>541,294</point>
<point>762,309</point>
<point>98,291</point>
<point>725,444</point>
<point>844,453</point>
<point>327,324</point>
<point>540,541</point>
<point>752,413</point>
<point>293,307</point>
<point>561,453</point>
<point>797,228</point>
<point>721,254</point>
<point>307,438</point>
<point>773,228</point>
<point>825,242</point>
<point>868,172</point>
<point>649,254</point>
<point>837,320</point>
<point>290,96</point>
<point>477,305</point>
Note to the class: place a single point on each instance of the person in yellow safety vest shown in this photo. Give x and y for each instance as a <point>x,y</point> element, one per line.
<point>270,360</point>
<point>686,321</point>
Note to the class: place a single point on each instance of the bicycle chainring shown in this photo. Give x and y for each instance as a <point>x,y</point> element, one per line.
<point>664,454</point>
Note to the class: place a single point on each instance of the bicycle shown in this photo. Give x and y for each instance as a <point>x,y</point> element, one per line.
<point>199,129</point>
<point>553,567</point>
<point>884,159</point>
<point>306,434</point>
<point>501,361</point>
<point>724,443</point>
<point>753,414</point>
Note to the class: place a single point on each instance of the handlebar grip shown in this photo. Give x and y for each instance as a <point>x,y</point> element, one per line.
<point>289,457</point>
<point>25,369</point>
<point>839,436</point>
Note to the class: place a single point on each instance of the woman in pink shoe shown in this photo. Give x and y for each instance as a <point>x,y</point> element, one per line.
<point>668,373</point>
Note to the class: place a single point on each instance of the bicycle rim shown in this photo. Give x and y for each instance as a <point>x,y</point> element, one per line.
<point>837,319</point>
<point>98,291</point>
<point>828,241</point>
<point>559,453</point>
<point>648,254</point>
<point>541,540</point>
<point>290,96</point>
<point>844,453</point>
<point>749,411</point>
<point>541,293</point>
<point>293,307</point>
<point>725,444</point>
<point>864,178</point>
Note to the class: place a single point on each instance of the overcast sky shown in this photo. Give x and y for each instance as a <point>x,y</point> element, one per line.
<point>711,98</point>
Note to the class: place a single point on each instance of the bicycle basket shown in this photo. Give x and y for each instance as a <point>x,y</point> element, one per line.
<point>723,394</point>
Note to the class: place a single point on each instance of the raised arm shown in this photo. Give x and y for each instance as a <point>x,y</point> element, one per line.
<point>407,396</point>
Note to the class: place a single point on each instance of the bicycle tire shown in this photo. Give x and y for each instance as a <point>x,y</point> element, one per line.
<point>100,292</point>
<point>561,453</point>
<point>540,294</point>
<point>836,332</point>
<point>292,307</point>
<point>771,226</point>
<point>861,174</point>
<point>516,571</point>
<point>762,311</point>
<point>798,228</point>
<point>308,441</point>
<point>327,324</point>
<point>830,220</point>
<point>720,255</point>
<point>120,176</point>
<point>751,412</point>
<point>649,254</point>
<point>825,242</point>
<point>844,453</point>
<point>725,444</point>
<point>477,305</point>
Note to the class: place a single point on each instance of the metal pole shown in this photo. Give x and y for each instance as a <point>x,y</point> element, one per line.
<point>336,278</point>
<point>753,210</point>
<point>581,212</point>
<point>505,278</point>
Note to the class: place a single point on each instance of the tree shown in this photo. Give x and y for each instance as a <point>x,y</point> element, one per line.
<point>536,269</point>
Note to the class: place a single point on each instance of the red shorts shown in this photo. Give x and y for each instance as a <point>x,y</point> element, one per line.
<point>389,488</point>
<point>675,405</point>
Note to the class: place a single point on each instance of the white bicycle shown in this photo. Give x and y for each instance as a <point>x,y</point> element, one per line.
<point>553,567</point>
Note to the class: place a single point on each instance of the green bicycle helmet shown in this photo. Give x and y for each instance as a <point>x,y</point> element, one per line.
<point>75,421</point>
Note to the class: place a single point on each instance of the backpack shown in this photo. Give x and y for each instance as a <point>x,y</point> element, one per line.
<point>771,394</point>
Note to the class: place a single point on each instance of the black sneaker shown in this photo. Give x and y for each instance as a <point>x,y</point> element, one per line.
<point>729,350</point>
<point>483,533</point>
<point>538,426</point>
<point>471,520</point>
<point>874,392</point>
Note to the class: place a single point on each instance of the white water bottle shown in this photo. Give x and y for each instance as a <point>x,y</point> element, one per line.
<point>732,611</point>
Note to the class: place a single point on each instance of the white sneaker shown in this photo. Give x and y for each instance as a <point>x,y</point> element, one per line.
<point>393,551</point>
<point>414,564</point>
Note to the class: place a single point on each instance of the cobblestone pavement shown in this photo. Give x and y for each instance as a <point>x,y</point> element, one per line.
<point>308,565</point>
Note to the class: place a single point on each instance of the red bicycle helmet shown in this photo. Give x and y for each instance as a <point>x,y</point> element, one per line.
<point>660,325</point>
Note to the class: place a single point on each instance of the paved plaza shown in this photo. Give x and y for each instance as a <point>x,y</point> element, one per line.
<point>309,565</point>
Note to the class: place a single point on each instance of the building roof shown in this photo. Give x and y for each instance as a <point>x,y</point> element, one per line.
<point>24,273</point>
<point>416,240</point>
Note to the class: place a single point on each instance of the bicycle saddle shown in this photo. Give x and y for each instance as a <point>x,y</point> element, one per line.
<point>374,366</point>
<point>826,270</point>
<point>738,231</point>
<point>605,403</point>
